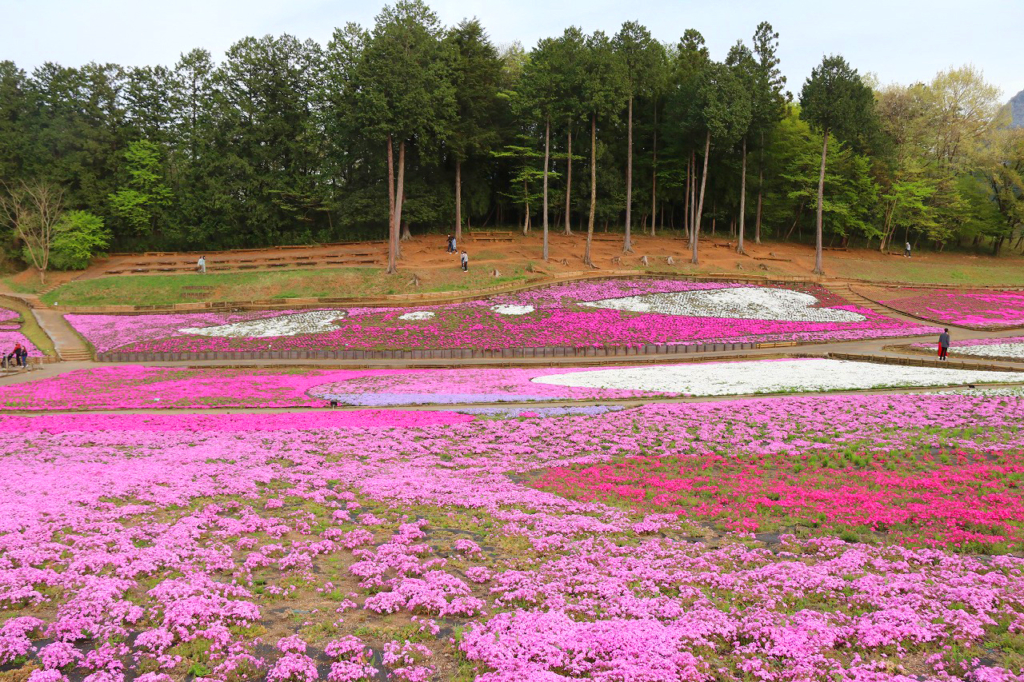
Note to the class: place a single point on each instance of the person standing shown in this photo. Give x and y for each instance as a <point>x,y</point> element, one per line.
<point>465,261</point>
<point>944,344</point>
<point>24,356</point>
<point>201,264</point>
<point>906,250</point>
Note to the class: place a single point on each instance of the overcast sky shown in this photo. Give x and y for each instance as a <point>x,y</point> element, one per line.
<point>898,40</point>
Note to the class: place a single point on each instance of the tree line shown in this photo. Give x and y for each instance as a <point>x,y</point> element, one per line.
<point>410,125</point>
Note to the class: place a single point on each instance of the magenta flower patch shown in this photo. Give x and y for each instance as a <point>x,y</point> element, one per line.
<point>610,313</point>
<point>974,309</point>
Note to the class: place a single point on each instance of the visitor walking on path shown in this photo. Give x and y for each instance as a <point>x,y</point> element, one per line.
<point>201,264</point>
<point>944,344</point>
<point>465,261</point>
<point>906,251</point>
<point>451,244</point>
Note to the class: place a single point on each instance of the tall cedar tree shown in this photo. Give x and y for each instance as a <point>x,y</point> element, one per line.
<point>833,101</point>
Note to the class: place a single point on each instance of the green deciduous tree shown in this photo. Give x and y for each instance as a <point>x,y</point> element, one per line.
<point>77,237</point>
<point>141,201</point>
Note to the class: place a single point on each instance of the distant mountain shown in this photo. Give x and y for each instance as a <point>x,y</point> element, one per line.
<point>1017,110</point>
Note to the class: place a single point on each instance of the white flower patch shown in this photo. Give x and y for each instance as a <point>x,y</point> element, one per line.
<point>992,350</point>
<point>418,315</point>
<point>771,376</point>
<point>744,303</point>
<point>294,324</point>
<point>512,309</point>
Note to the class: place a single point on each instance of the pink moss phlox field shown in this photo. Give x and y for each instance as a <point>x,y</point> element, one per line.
<point>557,320</point>
<point>929,506</point>
<point>230,423</point>
<point>8,317</point>
<point>149,546</point>
<point>11,337</point>
<point>141,387</point>
<point>980,309</point>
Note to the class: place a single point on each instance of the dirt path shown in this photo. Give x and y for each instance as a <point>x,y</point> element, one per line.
<point>425,254</point>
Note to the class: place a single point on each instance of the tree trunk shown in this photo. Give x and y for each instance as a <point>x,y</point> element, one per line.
<point>654,173</point>
<point>743,197</point>
<point>700,205</point>
<point>628,246</point>
<point>400,197</point>
<point>686,196</point>
<point>593,187</point>
<point>818,269</point>
<point>886,223</point>
<point>760,189</point>
<point>392,233</point>
<point>547,157</point>
<point>796,221</point>
<point>568,186</point>
<point>458,201</point>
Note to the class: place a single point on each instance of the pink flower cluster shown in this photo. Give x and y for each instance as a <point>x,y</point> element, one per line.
<point>141,387</point>
<point>9,339</point>
<point>149,546</point>
<point>974,309</point>
<point>557,320</point>
<point>8,317</point>
<point>969,502</point>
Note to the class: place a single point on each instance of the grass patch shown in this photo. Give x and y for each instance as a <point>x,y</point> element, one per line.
<point>992,271</point>
<point>245,286</point>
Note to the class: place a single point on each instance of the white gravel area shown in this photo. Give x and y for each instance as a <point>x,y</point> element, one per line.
<point>772,376</point>
<point>418,315</point>
<point>293,324</point>
<point>512,309</point>
<point>744,303</point>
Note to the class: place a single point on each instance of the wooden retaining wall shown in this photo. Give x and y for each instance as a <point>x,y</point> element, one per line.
<point>441,354</point>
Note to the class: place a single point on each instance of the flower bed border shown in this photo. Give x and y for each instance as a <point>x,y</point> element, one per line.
<point>445,354</point>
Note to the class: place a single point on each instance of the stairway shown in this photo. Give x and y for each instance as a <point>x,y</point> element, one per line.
<point>52,286</point>
<point>75,355</point>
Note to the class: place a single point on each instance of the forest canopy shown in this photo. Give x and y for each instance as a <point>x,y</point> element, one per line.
<point>412,126</point>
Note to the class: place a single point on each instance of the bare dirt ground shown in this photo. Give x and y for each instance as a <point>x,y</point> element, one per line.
<point>425,257</point>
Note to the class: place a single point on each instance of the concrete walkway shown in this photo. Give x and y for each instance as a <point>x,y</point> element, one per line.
<point>68,344</point>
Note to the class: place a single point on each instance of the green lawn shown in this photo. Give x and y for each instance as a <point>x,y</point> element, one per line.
<point>246,286</point>
<point>987,271</point>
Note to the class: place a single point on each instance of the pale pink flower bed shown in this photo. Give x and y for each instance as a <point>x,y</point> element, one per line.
<point>557,319</point>
<point>166,547</point>
<point>141,387</point>
<point>8,317</point>
<point>10,337</point>
<point>976,309</point>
